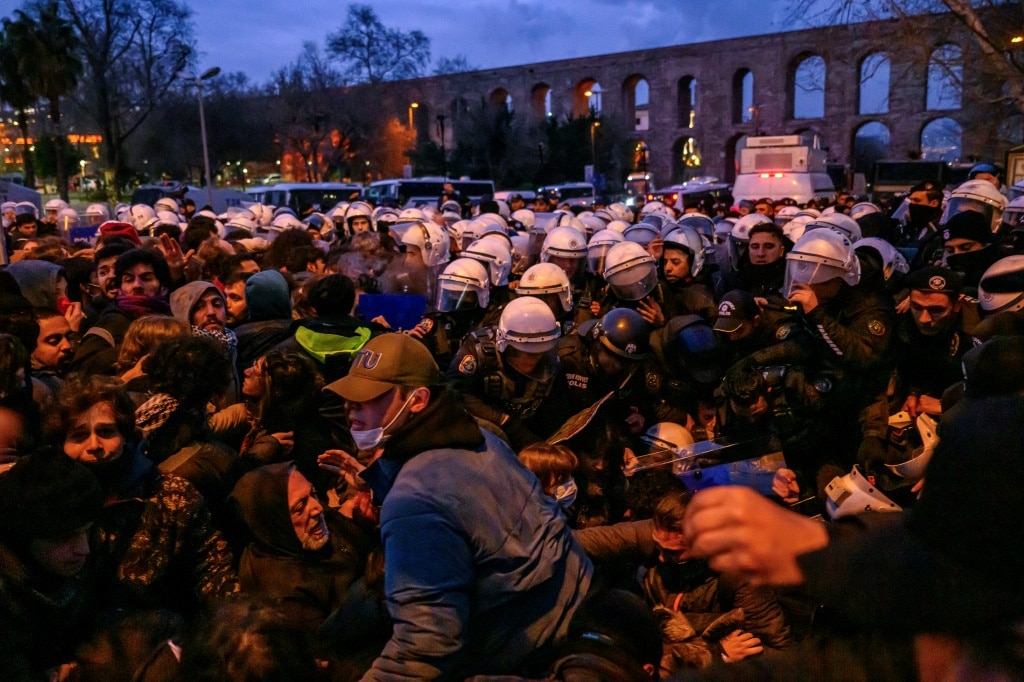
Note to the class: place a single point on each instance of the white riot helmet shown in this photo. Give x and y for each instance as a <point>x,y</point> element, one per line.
<point>524,217</point>
<point>457,232</point>
<point>564,242</point>
<point>624,213</point>
<point>384,216</point>
<point>656,207</point>
<point>503,209</point>
<point>838,221</point>
<point>785,214</point>
<point>166,204</point>
<point>549,283</point>
<point>412,215</point>
<point>264,214</point>
<point>641,233</point>
<point>630,271</point>
<point>567,219</point>
<point>619,226</point>
<point>1013,214</point>
<point>687,239</point>
<point>606,215</point>
<point>739,235</point>
<point>863,208</point>
<point>67,218</point>
<point>359,209</point>
<point>241,222</point>
<point>286,221</point>
<point>168,217</point>
<point>853,494</point>
<point>433,215</point>
<point>495,255</point>
<point>975,195</point>
<point>598,247</point>
<point>1001,288</point>
<point>668,436</point>
<point>97,214</point>
<point>429,237</point>
<point>591,224</point>
<point>142,217</point>
<point>796,227</point>
<point>893,261</point>
<point>668,442</point>
<point>811,212</point>
<point>53,207</point>
<point>528,328</point>
<point>463,286</point>
<point>474,230</point>
<point>520,253</point>
<point>821,256</point>
<point>451,206</point>
<point>701,224</point>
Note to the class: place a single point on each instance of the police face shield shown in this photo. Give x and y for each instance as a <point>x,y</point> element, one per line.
<point>960,204</point>
<point>455,294</point>
<point>1012,218</point>
<point>634,282</point>
<point>537,361</point>
<point>596,256</point>
<point>806,272</point>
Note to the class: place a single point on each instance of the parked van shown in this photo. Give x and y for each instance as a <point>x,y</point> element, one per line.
<point>697,194</point>
<point>783,166</point>
<point>572,193</point>
<point>222,198</point>
<point>323,196</point>
<point>413,192</point>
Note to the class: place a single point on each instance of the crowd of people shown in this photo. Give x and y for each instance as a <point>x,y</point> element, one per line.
<point>495,441</point>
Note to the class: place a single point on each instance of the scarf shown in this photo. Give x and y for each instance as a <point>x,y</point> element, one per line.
<point>155,412</point>
<point>137,306</point>
<point>226,339</point>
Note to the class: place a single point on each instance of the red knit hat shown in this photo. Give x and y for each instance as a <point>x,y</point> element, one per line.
<point>115,228</point>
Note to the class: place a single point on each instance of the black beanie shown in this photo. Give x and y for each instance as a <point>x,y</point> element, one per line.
<point>47,495</point>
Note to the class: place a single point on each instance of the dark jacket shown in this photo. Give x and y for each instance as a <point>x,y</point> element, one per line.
<point>155,535</point>
<point>306,585</point>
<point>41,621</point>
<point>508,576</point>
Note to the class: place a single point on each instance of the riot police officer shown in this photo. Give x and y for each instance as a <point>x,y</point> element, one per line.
<point>463,294</point>
<point>505,372</point>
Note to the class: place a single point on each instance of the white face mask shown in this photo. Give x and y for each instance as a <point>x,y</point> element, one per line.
<point>565,494</point>
<point>373,438</point>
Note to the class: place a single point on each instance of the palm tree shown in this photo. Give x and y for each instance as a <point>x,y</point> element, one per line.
<point>48,51</point>
<point>15,91</point>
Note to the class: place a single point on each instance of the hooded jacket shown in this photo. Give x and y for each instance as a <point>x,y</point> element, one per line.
<point>307,585</point>
<point>37,280</point>
<point>183,301</point>
<point>481,568</point>
<point>269,306</point>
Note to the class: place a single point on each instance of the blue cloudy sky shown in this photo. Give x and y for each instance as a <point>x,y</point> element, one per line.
<point>260,36</point>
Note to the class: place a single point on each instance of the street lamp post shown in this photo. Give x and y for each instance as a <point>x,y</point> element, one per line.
<point>594,125</point>
<point>198,80</point>
<point>414,105</point>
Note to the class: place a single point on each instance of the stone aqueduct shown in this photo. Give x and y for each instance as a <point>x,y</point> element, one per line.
<point>702,93</point>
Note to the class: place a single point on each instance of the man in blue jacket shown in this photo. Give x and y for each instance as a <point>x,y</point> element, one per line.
<point>481,570</point>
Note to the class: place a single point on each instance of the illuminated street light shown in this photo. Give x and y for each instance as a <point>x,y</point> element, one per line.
<point>414,105</point>
<point>1017,39</point>
<point>198,80</point>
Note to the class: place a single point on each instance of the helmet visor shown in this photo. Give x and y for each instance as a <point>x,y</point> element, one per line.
<point>596,256</point>
<point>808,272</point>
<point>960,204</point>
<point>633,283</point>
<point>454,295</point>
<point>1013,216</point>
<point>534,360</point>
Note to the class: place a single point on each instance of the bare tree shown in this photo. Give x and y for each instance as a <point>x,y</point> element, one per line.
<point>996,26</point>
<point>133,51</point>
<point>457,64</point>
<point>303,91</point>
<point>370,52</point>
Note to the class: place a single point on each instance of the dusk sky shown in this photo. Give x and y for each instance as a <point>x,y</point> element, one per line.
<point>262,36</point>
